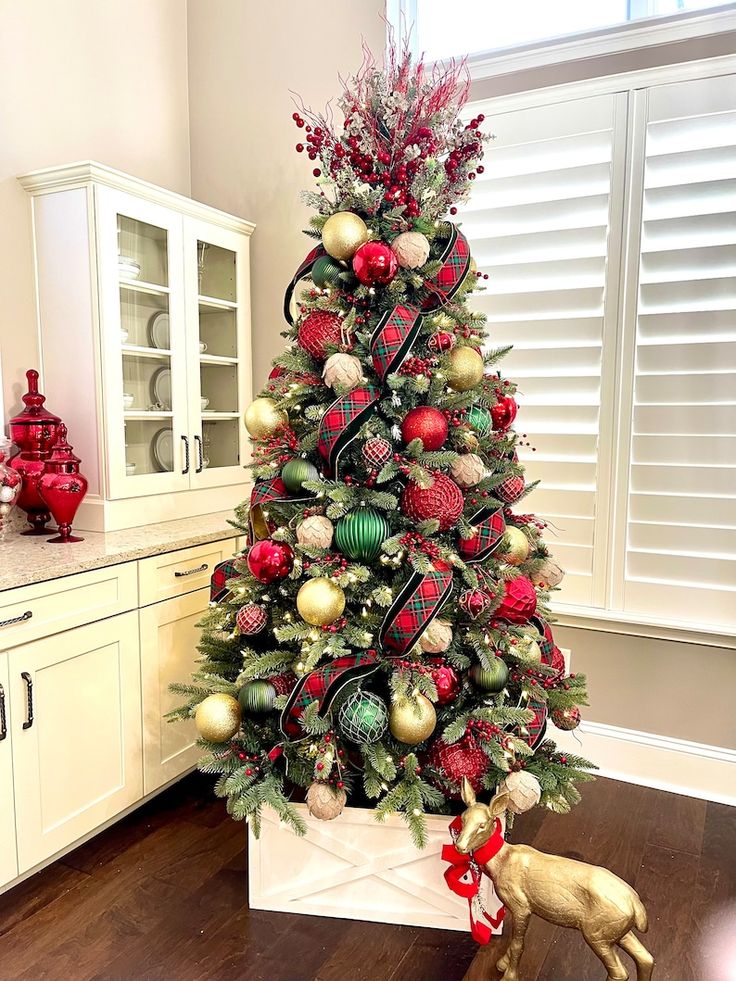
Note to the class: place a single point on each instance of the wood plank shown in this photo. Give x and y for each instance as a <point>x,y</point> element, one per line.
<point>34,894</point>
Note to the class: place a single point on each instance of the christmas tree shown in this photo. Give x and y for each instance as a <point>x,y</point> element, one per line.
<point>386,632</point>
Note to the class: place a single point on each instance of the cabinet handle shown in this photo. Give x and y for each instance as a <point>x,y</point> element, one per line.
<point>3,718</point>
<point>24,616</point>
<point>200,454</point>
<point>29,699</point>
<point>186,454</point>
<point>190,572</point>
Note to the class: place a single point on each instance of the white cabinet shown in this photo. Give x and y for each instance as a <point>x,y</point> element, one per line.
<point>8,856</point>
<point>143,299</point>
<point>168,638</point>
<point>76,733</point>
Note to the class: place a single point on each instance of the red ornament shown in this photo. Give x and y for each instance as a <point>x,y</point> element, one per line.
<point>283,683</point>
<point>503,413</point>
<point>62,487</point>
<point>441,342</point>
<point>566,719</point>
<point>375,264</point>
<point>318,330</point>
<point>556,660</point>
<point>455,761</point>
<point>269,561</point>
<point>446,682</point>
<point>519,601</point>
<point>510,490</point>
<point>443,501</point>
<point>473,602</point>
<point>276,372</point>
<point>425,423</point>
<point>251,619</point>
<point>377,451</point>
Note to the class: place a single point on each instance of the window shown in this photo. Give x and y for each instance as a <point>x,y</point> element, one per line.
<point>607,225</point>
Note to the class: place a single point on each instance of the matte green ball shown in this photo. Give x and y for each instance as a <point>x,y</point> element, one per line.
<point>480,419</point>
<point>360,534</point>
<point>363,717</point>
<point>295,472</point>
<point>493,679</point>
<point>326,272</point>
<point>257,696</point>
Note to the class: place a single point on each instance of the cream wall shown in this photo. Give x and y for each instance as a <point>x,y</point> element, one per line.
<point>81,79</point>
<point>244,57</point>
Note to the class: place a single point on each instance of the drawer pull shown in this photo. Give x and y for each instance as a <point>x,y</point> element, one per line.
<point>190,572</point>
<point>3,718</point>
<point>186,454</point>
<point>24,616</point>
<point>200,454</point>
<point>29,699</point>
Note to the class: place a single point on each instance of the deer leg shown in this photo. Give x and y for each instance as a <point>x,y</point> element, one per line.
<point>636,949</point>
<point>605,952</point>
<point>509,963</point>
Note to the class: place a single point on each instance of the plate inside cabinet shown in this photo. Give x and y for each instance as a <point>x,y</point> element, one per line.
<point>158,330</point>
<point>162,450</point>
<point>161,387</point>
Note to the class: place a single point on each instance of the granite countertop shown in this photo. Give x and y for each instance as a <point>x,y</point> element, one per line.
<point>25,560</point>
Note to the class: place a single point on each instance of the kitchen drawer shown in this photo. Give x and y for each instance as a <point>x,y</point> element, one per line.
<point>177,573</point>
<point>49,607</point>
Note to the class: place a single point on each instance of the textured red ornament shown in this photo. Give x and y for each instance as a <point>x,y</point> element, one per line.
<point>510,490</point>
<point>473,602</point>
<point>318,330</point>
<point>425,423</point>
<point>503,413</point>
<point>269,561</point>
<point>283,683</point>
<point>557,660</point>
<point>375,264</point>
<point>251,619</point>
<point>443,501</point>
<point>457,760</point>
<point>519,600</point>
<point>566,719</point>
<point>442,341</point>
<point>446,682</point>
<point>377,451</point>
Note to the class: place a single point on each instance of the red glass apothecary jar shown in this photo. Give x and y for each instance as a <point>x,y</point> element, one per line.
<point>62,487</point>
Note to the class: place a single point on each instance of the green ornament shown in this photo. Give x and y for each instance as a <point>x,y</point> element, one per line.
<point>326,272</point>
<point>480,419</point>
<point>363,717</point>
<point>257,696</point>
<point>491,679</point>
<point>360,534</point>
<point>295,472</point>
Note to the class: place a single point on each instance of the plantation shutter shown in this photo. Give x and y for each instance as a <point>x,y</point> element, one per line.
<point>541,221</point>
<point>680,553</point>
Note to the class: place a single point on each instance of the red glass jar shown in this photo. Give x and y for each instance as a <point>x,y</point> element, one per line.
<point>62,487</point>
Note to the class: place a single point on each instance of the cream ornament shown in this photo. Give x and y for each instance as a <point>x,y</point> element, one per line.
<point>316,531</point>
<point>411,249</point>
<point>468,470</point>
<point>325,802</point>
<point>262,418</point>
<point>523,791</point>
<point>344,370</point>
<point>515,546</point>
<point>548,575</point>
<point>436,638</point>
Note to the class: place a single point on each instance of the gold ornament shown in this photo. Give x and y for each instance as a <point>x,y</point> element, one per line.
<point>411,249</point>
<point>259,523</point>
<point>436,638</point>
<point>466,369</point>
<point>412,720</point>
<point>523,791</point>
<point>320,601</point>
<point>468,440</point>
<point>468,470</point>
<point>344,370</point>
<point>527,647</point>
<point>217,718</point>
<point>316,531</point>
<point>515,546</point>
<point>564,892</point>
<point>262,418</point>
<point>548,575</point>
<point>343,234</point>
<point>325,802</point>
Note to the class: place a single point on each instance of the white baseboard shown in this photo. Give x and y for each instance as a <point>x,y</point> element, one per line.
<point>662,762</point>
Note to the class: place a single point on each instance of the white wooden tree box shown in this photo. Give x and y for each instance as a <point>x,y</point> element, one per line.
<point>357,869</point>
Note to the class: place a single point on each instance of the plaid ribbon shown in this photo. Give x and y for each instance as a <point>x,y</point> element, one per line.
<point>342,421</point>
<point>551,653</point>
<point>267,491</point>
<point>316,253</point>
<point>455,264</point>
<point>537,727</point>
<point>418,603</point>
<point>489,528</point>
<point>393,338</point>
<point>222,572</point>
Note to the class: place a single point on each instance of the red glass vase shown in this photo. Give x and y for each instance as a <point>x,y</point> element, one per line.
<point>34,432</point>
<point>62,487</point>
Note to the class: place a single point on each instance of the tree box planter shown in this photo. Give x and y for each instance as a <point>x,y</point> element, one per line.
<point>357,869</point>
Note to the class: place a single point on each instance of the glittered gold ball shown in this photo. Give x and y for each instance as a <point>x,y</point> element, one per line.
<point>436,638</point>
<point>343,234</point>
<point>262,418</point>
<point>523,790</point>
<point>217,718</point>
<point>316,531</point>
<point>515,546</point>
<point>320,601</point>
<point>412,720</point>
<point>325,802</point>
<point>468,470</point>
<point>466,369</point>
<point>411,249</point>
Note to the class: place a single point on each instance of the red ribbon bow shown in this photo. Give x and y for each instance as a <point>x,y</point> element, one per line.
<point>464,877</point>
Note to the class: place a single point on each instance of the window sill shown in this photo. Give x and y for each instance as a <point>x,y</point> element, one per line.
<point>631,625</point>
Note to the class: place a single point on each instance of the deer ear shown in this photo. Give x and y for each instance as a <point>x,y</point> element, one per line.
<point>499,804</point>
<point>467,793</point>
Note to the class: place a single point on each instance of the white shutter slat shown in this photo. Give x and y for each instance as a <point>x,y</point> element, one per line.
<point>675,510</point>
<point>676,359</point>
<point>690,166</point>
<point>686,387</point>
<point>691,539</point>
<point>568,243</point>
<point>684,450</point>
<point>668,233</point>
<point>541,335</point>
<point>684,419</point>
<point>698,481</point>
<point>684,201</point>
<point>689,328</point>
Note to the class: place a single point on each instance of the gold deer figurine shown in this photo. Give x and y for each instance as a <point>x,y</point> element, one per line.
<point>571,894</point>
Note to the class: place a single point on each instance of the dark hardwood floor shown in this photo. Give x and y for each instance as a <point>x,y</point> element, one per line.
<point>163,895</point>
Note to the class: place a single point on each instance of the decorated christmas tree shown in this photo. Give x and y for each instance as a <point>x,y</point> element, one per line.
<point>387,631</point>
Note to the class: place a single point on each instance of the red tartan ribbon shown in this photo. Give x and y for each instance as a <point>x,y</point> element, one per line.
<point>341,422</point>
<point>537,727</point>
<point>551,653</point>
<point>418,603</point>
<point>221,574</point>
<point>455,265</point>
<point>465,875</point>
<point>317,252</point>
<point>489,529</point>
<point>268,491</point>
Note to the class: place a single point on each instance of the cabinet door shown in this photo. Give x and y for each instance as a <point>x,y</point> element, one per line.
<point>139,248</point>
<point>76,731</point>
<point>219,355</point>
<point>169,638</point>
<point>8,856</point>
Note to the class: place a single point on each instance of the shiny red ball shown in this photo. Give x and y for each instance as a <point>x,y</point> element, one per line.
<point>503,413</point>
<point>270,561</point>
<point>425,423</point>
<point>375,264</point>
<point>446,682</point>
<point>318,330</point>
<point>443,501</point>
<point>453,761</point>
<point>442,341</point>
<point>519,601</point>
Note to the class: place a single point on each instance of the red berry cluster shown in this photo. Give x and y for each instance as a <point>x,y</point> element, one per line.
<point>342,563</point>
<point>333,628</point>
<point>414,367</point>
<point>414,542</point>
<point>455,417</point>
<point>280,447</point>
<point>480,729</point>
<point>315,140</point>
<point>457,158</point>
<point>524,519</point>
<point>253,769</point>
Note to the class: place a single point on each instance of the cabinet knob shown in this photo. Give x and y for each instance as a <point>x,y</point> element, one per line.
<point>29,699</point>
